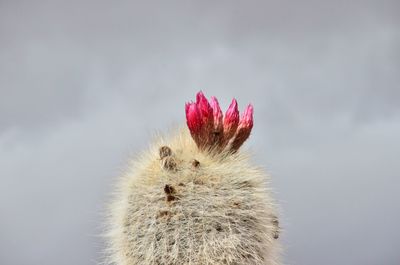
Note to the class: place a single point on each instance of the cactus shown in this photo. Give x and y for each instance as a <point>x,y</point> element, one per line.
<point>194,198</point>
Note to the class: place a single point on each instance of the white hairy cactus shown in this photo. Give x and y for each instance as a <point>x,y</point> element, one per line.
<point>194,198</point>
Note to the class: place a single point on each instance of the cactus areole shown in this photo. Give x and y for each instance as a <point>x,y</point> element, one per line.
<point>195,198</point>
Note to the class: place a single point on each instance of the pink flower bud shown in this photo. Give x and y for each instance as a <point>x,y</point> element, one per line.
<point>244,128</point>
<point>194,121</point>
<point>217,113</point>
<point>246,121</point>
<point>231,121</point>
<point>217,129</point>
<point>206,112</point>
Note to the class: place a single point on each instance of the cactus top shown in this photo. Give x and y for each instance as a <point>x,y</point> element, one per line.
<point>211,130</point>
<point>192,198</point>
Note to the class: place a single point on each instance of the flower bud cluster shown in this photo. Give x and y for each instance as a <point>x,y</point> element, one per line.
<point>210,129</point>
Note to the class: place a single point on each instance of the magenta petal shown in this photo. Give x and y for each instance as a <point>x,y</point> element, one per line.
<point>232,114</point>
<point>193,118</point>
<point>204,107</point>
<point>244,129</point>
<point>231,120</point>
<point>217,113</point>
<point>247,117</point>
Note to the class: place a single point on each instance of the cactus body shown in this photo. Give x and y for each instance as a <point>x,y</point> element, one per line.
<point>182,204</point>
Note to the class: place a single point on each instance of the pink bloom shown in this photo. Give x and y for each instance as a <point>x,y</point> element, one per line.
<point>211,130</point>
<point>231,121</point>
<point>244,128</point>
<point>193,120</point>
<point>246,121</point>
<point>217,113</point>
<point>206,112</point>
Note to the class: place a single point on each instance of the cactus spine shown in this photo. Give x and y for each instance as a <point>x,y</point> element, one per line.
<point>194,198</point>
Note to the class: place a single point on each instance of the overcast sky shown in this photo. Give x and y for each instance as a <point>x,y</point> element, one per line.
<point>85,84</point>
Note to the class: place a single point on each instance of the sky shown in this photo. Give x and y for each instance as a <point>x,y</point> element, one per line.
<point>85,85</point>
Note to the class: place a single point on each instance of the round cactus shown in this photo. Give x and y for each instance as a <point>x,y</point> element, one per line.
<point>194,198</point>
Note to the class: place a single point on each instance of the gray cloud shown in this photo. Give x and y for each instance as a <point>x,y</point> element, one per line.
<point>84,85</point>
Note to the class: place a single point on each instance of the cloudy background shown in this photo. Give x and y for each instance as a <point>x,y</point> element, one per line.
<point>85,84</point>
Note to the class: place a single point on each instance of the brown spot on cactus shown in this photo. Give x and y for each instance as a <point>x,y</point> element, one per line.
<point>275,222</point>
<point>195,163</point>
<point>168,189</point>
<point>236,204</point>
<point>168,163</point>
<point>171,198</point>
<point>246,184</point>
<point>165,151</point>
<point>198,182</point>
<point>163,213</point>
